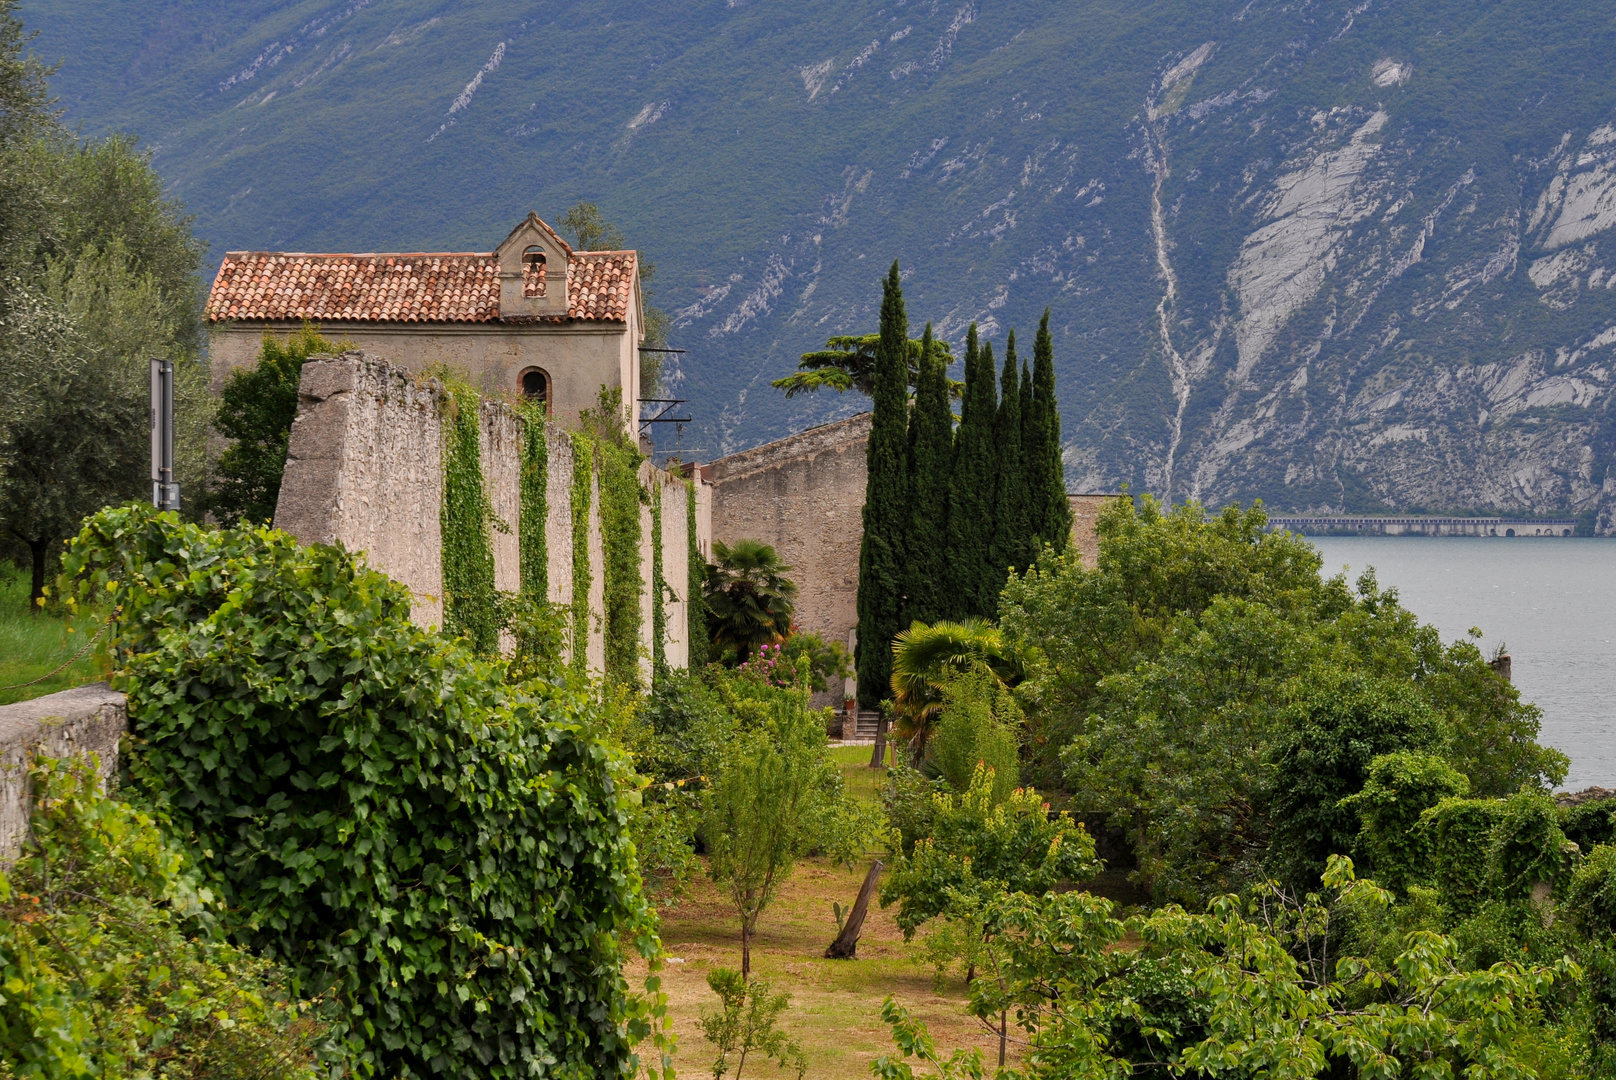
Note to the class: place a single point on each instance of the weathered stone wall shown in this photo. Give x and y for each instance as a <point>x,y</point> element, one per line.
<point>803,495</point>
<point>1085,521</point>
<point>364,468</point>
<point>579,359</point>
<point>83,721</point>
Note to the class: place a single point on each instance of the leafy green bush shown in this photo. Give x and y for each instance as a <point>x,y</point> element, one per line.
<point>256,410</point>
<point>1259,987</point>
<point>977,727</point>
<point>1590,824</point>
<point>1527,849</point>
<point>111,963</point>
<point>979,848</point>
<point>443,853</point>
<point>1340,723</point>
<point>1460,833</point>
<point>1400,788</point>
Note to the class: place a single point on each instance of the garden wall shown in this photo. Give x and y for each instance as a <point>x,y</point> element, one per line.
<point>85,720</point>
<point>365,468</point>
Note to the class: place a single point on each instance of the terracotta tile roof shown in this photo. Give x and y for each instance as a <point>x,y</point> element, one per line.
<point>422,287</point>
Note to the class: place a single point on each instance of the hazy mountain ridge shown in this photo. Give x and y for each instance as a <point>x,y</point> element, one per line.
<point>1335,255</point>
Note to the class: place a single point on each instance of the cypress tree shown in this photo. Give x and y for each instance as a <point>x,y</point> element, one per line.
<point>973,586</point>
<point>886,503</point>
<point>1011,546</point>
<point>1049,514</point>
<point>931,426</point>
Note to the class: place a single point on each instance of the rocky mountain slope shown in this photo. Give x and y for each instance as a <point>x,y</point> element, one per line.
<point>1336,254</point>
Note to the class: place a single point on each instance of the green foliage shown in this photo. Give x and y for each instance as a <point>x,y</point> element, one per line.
<point>745,1024</point>
<point>621,496</point>
<point>778,796</point>
<point>444,853</point>
<point>695,586</point>
<point>659,591</point>
<point>1460,833</point>
<point>847,362</point>
<point>1012,543</point>
<point>980,847</point>
<point>1591,897</point>
<point>583,478</point>
<point>925,658</point>
<point>749,598</point>
<point>973,582</point>
<point>1049,515</point>
<point>256,410</point>
<point>1250,988</point>
<point>533,551</point>
<point>931,460</point>
<point>978,729</point>
<point>110,960</point>
<point>1399,789</point>
<point>1337,726</point>
<point>826,660</point>
<point>909,803</point>
<point>471,604</point>
<point>886,505</point>
<point>1589,824</point>
<point>1187,688</point>
<point>1527,848</point>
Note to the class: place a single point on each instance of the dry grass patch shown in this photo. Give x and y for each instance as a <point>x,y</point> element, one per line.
<point>835,1004</point>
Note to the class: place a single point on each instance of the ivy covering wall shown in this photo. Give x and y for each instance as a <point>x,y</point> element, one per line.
<point>659,589</point>
<point>695,612</point>
<point>583,469</point>
<point>470,601</point>
<point>535,554</point>
<point>621,497</point>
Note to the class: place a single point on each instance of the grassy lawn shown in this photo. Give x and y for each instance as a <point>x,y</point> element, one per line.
<point>835,1008</point>
<point>835,1004</point>
<point>35,643</point>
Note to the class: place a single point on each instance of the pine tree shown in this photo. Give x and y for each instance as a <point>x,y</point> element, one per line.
<point>931,426</point>
<point>886,503</point>
<point>1049,513</point>
<point>973,586</point>
<point>1011,545</point>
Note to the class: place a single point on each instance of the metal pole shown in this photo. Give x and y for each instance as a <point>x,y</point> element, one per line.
<point>165,492</point>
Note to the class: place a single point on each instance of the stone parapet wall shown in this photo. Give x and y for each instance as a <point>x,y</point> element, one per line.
<point>365,468</point>
<point>88,720</point>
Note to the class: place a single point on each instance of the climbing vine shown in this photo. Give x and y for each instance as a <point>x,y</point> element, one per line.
<point>659,590</point>
<point>470,601</point>
<point>621,497</point>
<point>583,469</point>
<point>695,608</point>
<point>535,555</point>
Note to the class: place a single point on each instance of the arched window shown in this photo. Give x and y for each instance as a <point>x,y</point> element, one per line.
<point>533,272</point>
<point>535,385</point>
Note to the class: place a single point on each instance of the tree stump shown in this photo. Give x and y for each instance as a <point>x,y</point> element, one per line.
<point>845,947</point>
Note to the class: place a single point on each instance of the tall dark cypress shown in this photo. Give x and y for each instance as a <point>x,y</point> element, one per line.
<point>973,585</point>
<point>1011,545</point>
<point>1049,512</point>
<point>886,503</point>
<point>931,427</point>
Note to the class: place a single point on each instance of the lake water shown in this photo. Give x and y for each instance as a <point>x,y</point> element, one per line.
<point>1552,602</point>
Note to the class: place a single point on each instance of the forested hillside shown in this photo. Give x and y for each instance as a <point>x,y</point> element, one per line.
<point>1336,254</point>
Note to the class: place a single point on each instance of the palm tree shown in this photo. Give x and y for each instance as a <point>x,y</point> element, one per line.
<point>749,597</point>
<point>925,657</point>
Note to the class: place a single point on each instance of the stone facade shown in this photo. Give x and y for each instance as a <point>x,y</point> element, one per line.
<point>364,468</point>
<point>88,721</point>
<point>487,315</point>
<point>805,496</point>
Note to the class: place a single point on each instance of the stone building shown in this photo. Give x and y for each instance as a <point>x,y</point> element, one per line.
<point>531,317</point>
<point>804,495</point>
